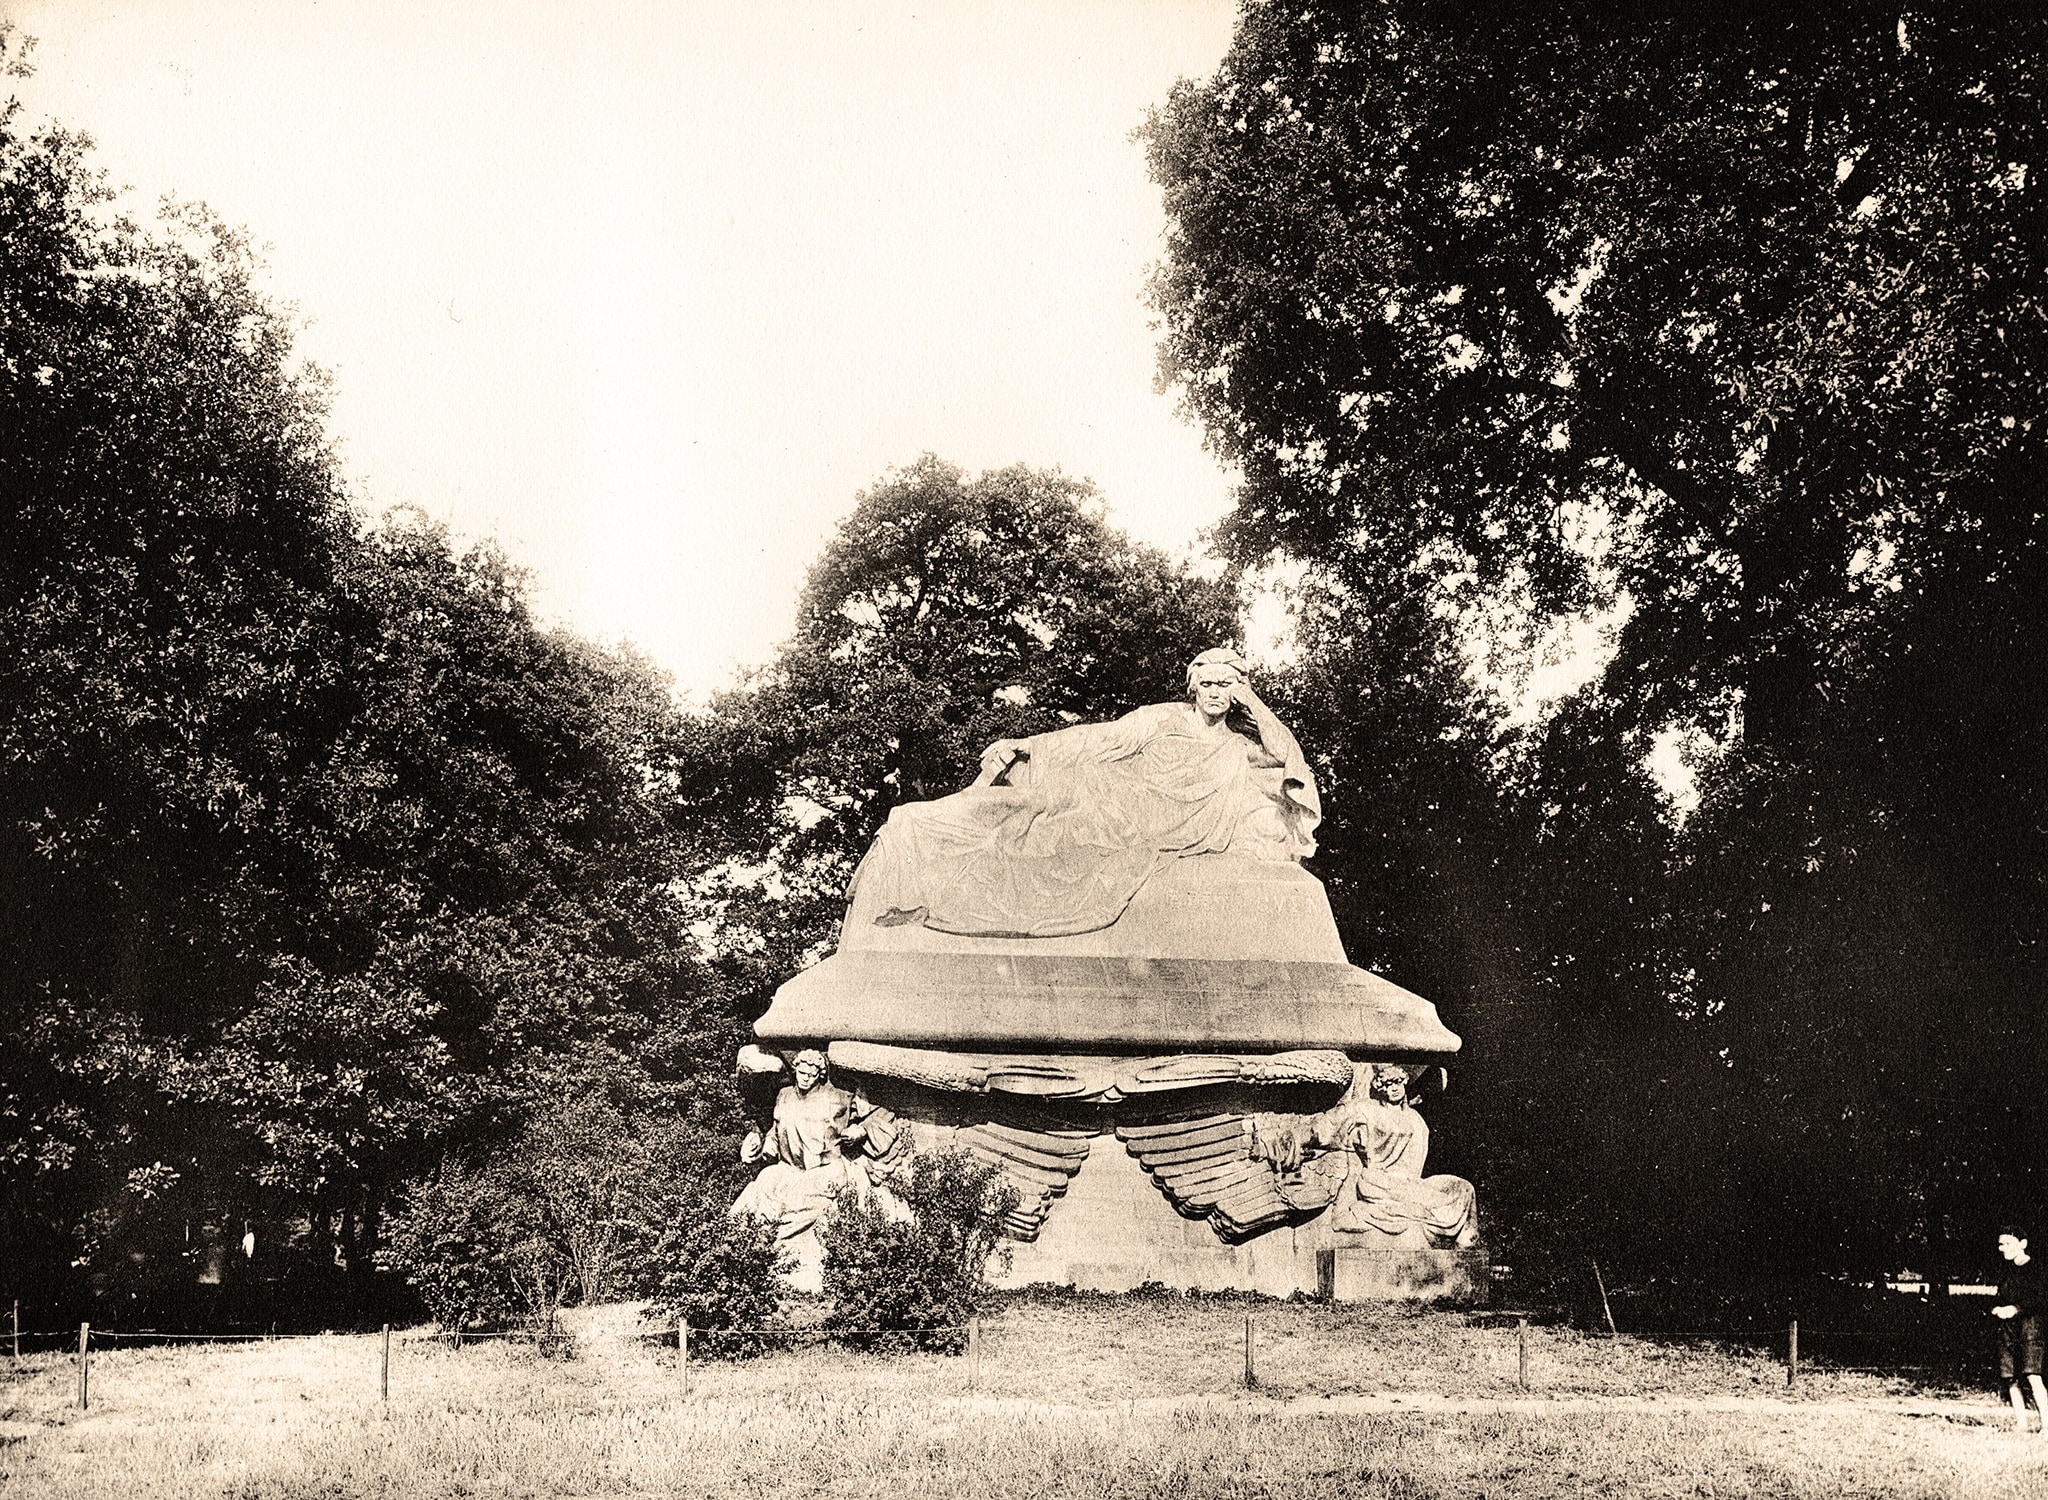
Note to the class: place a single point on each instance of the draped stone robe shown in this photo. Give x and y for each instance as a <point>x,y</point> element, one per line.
<point>1088,817</point>
<point>819,1144</point>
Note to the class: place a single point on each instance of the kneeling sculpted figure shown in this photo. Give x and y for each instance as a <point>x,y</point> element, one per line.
<point>824,1141</point>
<point>1089,813</point>
<point>1363,1159</point>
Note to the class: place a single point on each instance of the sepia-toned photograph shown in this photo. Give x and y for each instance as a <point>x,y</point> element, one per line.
<point>1073,748</point>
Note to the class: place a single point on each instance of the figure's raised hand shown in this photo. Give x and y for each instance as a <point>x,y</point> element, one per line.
<point>1242,695</point>
<point>750,1148</point>
<point>999,755</point>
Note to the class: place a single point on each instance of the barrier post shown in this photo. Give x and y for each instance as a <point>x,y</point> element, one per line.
<point>974,1353</point>
<point>17,1330</point>
<point>1251,1373</point>
<point>84,1340</point>
<point>683,1353</point>
<point>384,1369</point>
<point>1612,1331</point>
<point>1792,1354</point>
<point>1522,1339</point>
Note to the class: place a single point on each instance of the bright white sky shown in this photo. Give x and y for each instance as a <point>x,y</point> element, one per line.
<point>649,291</point>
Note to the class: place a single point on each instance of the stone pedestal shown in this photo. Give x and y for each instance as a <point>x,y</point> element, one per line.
<point>1122,1079</point>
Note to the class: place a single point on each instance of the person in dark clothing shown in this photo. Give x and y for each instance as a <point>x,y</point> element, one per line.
<point>2021,1309</point>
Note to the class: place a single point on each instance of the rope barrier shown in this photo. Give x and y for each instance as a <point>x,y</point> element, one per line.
<point>1960,1365</point>
<point>66,1338</point>
<point>1777,1332</point>
<point>141,1334</point>
<point>1644,1335</point>
<point>821,1332</point>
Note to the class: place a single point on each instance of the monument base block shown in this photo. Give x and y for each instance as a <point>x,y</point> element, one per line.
<point>1114,1231</point>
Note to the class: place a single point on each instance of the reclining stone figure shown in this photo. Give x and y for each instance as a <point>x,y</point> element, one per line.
<point>1089,813</point>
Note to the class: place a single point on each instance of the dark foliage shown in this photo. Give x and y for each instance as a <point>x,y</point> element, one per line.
<point>457,1238</point>
<point>898,1284</point>
<point>722,1274</point>
<point>1730,322</point>
<point>319,857</point>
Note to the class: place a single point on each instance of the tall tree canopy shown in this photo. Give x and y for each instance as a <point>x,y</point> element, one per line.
<point>317,852</point>
<point>1739,315</point>
<point>1732,320</point>
<point>947,612</point>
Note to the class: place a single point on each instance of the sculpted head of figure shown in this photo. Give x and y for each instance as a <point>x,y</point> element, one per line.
<point>1211,676</point>
<point>808,1068</point>
<point>1390,1083</point>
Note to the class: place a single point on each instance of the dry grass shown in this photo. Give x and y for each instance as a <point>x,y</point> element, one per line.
<point>1080,1397</point>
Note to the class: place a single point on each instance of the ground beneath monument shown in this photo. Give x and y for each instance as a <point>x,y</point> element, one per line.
<point>1077,1396</point>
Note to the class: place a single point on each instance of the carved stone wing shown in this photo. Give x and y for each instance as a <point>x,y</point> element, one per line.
<point>1039,1164</point>
<point>1206,1170</point>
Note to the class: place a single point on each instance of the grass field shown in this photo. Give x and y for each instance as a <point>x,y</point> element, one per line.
<point>1129,1398</point>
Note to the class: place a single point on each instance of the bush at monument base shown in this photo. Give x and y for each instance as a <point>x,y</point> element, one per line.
<point>898,1283</point>
<point>722,1274</point>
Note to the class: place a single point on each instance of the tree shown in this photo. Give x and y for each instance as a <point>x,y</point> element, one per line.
<point>1734,316</point>
<point>947,612</point>
<point>319,857</point>
<point>1732,323</point>
<point>166,642</point>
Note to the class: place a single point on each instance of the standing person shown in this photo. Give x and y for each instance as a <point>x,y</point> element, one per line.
<point>2022,1304</point>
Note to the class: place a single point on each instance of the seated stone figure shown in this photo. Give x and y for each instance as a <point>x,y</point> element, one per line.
<point>824,1141</point>
<point>1363,1159</point>
<point>1089,813</point>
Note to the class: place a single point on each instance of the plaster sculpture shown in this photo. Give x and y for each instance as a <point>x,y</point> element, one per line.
<point>1103,969</point>
<point>824,1140</point>
<point>1363,1160</point>
<point>1089,813</point>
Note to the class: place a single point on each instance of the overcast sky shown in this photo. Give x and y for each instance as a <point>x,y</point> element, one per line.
<point>650,291</point>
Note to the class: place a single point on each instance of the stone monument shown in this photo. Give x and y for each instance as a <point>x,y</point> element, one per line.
<point>1103,969</point>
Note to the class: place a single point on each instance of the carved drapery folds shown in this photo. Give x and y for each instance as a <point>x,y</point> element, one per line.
<point>822,1140</point>
<point>1362,1159</point>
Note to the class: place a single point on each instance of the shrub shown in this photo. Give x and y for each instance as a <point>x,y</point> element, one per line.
<point>898,1284</point>
<point>452,1237</point>
<point>723,1274</point>
<point>571,1209</point>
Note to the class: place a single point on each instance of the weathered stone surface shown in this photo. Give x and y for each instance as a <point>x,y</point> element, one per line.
<point>1203,907</point>
<point>1115,1231</point>
<point>1216,953</point>
<point>1363,1160</point>
<point>823,1141</point>
<point>1092,813</point>
<point>1160,1056</point>
<point>1103,1079</point>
